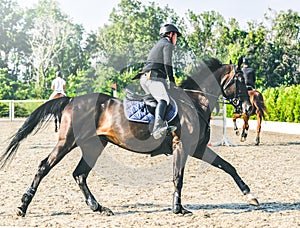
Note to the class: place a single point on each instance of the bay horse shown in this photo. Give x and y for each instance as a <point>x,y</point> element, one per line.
<point>57,118</point>
<point>92,121</point>
<point>259,109</point>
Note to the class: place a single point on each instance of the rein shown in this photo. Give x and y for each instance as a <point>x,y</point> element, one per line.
<point>198,111</point>
<point>219,100</point>
<point>225,84</point>
<point>201,92</point>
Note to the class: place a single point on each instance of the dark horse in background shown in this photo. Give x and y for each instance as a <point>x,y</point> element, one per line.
<point>258,108</point>
<point>91,121</point>
<point>57,118</point>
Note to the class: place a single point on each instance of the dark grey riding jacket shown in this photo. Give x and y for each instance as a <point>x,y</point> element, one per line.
<point>159,60</point>
<point>249,75</point>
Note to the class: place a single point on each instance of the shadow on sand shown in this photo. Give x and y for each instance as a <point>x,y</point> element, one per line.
<point>269,207</point>
<point>233,208</point>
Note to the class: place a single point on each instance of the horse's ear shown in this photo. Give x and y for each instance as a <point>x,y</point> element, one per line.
<point>230,62</point>
<point>240,62</point>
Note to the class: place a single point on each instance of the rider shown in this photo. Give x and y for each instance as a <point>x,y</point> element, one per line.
<point>249,74</point>
<point>58,85</point>
<point>157,69</point>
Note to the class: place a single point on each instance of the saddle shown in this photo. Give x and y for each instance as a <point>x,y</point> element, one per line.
<point>141,108</point>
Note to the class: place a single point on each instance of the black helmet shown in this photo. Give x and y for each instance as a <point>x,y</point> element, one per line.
<point>245,61</point>
<point>167,28</point>
<point>58,74</point>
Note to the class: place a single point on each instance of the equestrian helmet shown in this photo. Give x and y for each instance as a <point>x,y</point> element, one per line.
<point>245,60</point>
<point>167,28</point>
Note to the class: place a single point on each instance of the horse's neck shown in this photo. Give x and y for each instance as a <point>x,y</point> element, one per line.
<point>213,89</point>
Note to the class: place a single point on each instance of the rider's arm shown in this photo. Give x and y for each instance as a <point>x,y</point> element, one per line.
<point>167,52</point>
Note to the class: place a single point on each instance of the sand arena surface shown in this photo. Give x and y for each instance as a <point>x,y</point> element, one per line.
<point>138,188</point>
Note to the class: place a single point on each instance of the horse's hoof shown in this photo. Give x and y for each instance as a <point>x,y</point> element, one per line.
<point>243,139</point>
<point>20,212</point>
<point>252,200</point>
<point>176,209</point>
<point>237,133</point>
<point>106,211</point>
<point>186,212</point>
<point>179,209</point>
<point>257,141</point>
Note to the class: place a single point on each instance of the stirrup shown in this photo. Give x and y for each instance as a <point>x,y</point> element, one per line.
<point>162,131</point>
<point>171,129</point>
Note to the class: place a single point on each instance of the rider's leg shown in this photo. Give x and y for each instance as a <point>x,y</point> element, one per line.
<point>158,90</point>
<point>160,126</point>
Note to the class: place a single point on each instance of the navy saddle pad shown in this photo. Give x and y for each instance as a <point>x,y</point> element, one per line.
<point>140,111</point>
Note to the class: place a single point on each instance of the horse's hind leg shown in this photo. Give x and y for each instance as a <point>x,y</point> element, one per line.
<point>258,129</point>
<point>91,150</point>
<point>60,150</point>
<point>212,158</point>
<point>55,123</point>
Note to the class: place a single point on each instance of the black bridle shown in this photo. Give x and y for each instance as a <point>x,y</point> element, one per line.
<point>236,100</point>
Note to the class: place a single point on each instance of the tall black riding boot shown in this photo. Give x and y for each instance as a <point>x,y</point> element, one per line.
<point>160,127</point>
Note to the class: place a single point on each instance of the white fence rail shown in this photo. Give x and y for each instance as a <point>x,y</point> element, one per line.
<point>12,103</point>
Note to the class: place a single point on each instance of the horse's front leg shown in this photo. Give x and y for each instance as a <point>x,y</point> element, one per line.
<point>245,127</point>
<point>235,128</point>
<point>179,161</point>
<point>215,160</point>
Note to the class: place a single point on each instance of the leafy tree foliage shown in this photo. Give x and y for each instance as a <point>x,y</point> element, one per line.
<point>13,46</point>
<point>48,35</point>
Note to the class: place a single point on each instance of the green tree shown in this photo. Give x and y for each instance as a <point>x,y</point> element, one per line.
<point>12,89</point>
<point>284,38</point>
<point>49,33</point>
<point>207,29</point>
<point>13,39</point>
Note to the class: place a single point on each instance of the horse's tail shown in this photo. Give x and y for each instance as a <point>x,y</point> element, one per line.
<point>259,103</point>
<point>35,121</point>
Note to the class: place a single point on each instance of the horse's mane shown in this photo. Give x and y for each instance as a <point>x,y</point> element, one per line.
<point>203,69</point>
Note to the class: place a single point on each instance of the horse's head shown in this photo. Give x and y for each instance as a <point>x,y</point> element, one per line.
<point>211,74</point>
<point>234,88</point>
